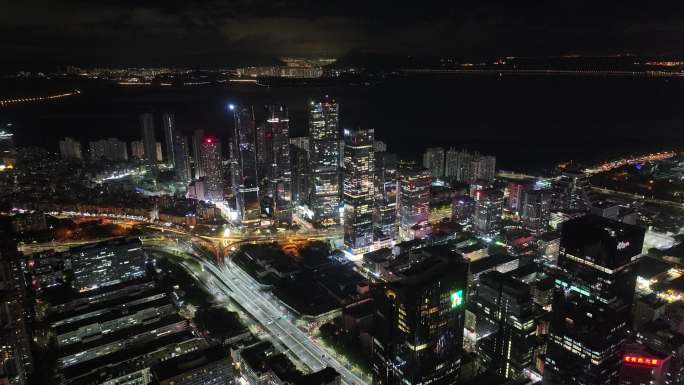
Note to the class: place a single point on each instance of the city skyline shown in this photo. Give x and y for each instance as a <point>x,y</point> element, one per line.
<point>341,193</point>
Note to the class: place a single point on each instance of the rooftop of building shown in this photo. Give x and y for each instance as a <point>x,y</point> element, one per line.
<point>435,260</point>
<point>649,267</point>
<point>490,262</point>
<point>189,362</point>
<point>378,256</point>
<point>360,309</point>
<point>123,361</point>
<point>509,284</point>
<point>550,236</point>
<point>472,248</point>
<point>122,334</point>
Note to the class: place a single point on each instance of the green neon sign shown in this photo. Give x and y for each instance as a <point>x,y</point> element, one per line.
<point>456,299</point>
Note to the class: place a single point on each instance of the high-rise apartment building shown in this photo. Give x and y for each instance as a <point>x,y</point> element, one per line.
<point>324,153</point>
<point>419,320</point>
<point>464,166</point>
<point>210,157</point>
<point>149,138</point>
<point>358,191</point>
<point>70,149</point>
<point>592,303</point>
<point>433,160</point>
<point>137,149</point>
<point>414,198</point>
<point>158,152</point>
<point>111,149</point>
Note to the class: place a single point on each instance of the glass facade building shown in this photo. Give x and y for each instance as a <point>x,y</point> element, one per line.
<point>359,165</point>
<point>324,153</point>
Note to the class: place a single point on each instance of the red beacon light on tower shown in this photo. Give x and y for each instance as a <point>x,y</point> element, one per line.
<point>642,361</point>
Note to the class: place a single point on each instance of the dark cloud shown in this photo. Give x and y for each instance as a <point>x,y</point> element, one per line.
<point>156,32</point>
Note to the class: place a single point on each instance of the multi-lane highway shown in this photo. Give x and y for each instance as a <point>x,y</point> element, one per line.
<point>233,282</point>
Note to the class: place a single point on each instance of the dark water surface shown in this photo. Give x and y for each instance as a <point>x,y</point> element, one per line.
<point>528,123</point>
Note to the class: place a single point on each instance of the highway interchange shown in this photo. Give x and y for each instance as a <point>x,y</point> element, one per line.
<point>231,281</point>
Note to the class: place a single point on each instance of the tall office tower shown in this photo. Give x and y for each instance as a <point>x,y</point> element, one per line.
<point>514,197</point>
<point>324,152</point>
<point>247,189</point>
<point>210,156</point>
<point>380,146</point>
<point>197,138</point>
<point>488,210</point>
<point>137,149</point>
<point>433,160</point>
<point>414,198</point>
<point>535,210</point>
<point>70,149</point>
<point>169,122</point>
<point>273,161</point>
<point>181,152</point>
<point>505,309</point>
<point>591,309</point>
<point>8,154</point>
<point>419,319</point>
<point>385,213</point>
<point>158,152</point>
<point>149,138</point>
<point>300,175</point>
<point>358,192</point>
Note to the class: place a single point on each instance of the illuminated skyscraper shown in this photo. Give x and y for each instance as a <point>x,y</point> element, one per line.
<point>414,198</point>
<point>419,320</point>
<point>433,160</point>
<point>505,310</point>
<point>169,137</point>
<point>148,137</point>
<point>210,154</point>
<point>197,138</point>
<point>359,164</point>
<point>324,153</point>
<point>535,210</point>
<point>247,188</point>
<point>592,304</point>
<point>488,210</point>
<point>385,214</point>
<point>182,158</point>
<point>274,155</point>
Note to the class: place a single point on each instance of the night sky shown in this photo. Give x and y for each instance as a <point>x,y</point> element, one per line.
<point>211,32</point>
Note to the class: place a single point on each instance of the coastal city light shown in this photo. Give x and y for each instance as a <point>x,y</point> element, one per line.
<point>340,193</point>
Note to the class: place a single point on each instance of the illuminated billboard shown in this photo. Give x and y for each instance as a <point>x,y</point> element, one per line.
<point>456,299</point>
